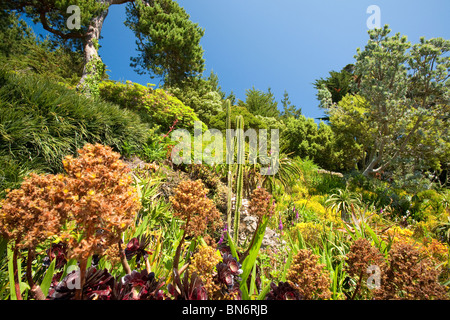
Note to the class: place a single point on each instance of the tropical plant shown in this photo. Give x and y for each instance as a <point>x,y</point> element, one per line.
<point>344,201</point>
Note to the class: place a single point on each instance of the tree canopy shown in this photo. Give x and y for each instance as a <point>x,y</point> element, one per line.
<point>167,41</point>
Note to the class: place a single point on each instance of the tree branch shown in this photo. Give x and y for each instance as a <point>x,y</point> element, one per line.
<point>65,36</point>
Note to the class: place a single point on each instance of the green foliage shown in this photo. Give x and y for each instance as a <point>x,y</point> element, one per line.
<point>154,106</point>
<point>338,83</point>
<point>53,16</point>
<point>40,122</point>
<point>344,201</point>
<point>202,95</point>
<point>166,109</point>
<point>352,129</point>
<point>168,42</point>
<point>23,52</point>
<point>95,70</point>
<point>305,139</point>
<point>289,110</point>
<point>407,92</point>
<point>260,103</point>
<point>13,34</point>
<point>251,121</point>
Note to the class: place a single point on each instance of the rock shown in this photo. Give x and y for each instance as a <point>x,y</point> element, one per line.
<point>247,228</point>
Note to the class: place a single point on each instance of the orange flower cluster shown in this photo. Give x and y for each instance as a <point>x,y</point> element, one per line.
<point>361,256</point>
<point>104,200</point>
<point>34,212</point>
<point>435,249</point>
<point>308,276</point>
<point>204,263</point>
<point>409,276</point>
<point>94,202</point>
<point>191,204</point>
<point>261,203</point>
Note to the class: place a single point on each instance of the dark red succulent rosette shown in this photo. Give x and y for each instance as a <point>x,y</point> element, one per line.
<point>191,288</point>
<point>57,251</point>
<point>137,247</point>
<point>98,286</point>
<point>138,286</point>
<point>284,291</point>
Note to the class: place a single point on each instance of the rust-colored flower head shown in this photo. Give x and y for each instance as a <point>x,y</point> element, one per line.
<point>191,204</point>
<point>410,276</point>
<point>104,200</point>
<point>261,203</point>
<point>308,276</point>
<point>36,211</point>
<point>203,263</point>
<point>361,256</point>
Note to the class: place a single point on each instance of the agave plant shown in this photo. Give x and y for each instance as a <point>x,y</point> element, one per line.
<point>287,173</point>
<point>344,201</point>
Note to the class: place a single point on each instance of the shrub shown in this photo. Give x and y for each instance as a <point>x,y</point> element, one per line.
<point>428,202</point>
<point>310,232</point>
<point>41,122</point>
<point>154,106</point>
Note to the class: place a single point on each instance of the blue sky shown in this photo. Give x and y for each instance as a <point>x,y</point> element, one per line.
<point>283,44</point>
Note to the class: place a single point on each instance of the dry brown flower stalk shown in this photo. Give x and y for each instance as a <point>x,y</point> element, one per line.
<point>191,204</point>
<point>410,276</point>
<point>261,203</point>
<point>362,255</point>
<point>204,264</point>
<point>30,215</point>
<point>104,200</point>
<point>95,202</point>
<point>35,212</point>
<point>308,276</point>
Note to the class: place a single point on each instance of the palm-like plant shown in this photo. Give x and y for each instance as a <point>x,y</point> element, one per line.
<point>344,201</point>
<point>288,173</point>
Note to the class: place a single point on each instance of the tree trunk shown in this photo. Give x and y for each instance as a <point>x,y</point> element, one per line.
<point>90,48</point>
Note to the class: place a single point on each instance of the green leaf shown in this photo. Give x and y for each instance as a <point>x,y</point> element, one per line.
<point>350,232</point>
<point>3,245</point>
<point>286,266</point>
<point>373,235</point>
<point>253,280</point>
<point>263,292</point>
<point>232,247</point>
<point>12,289</point>
<point>244,291</point>
<point>47,281</point>
<point>247,265</point>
